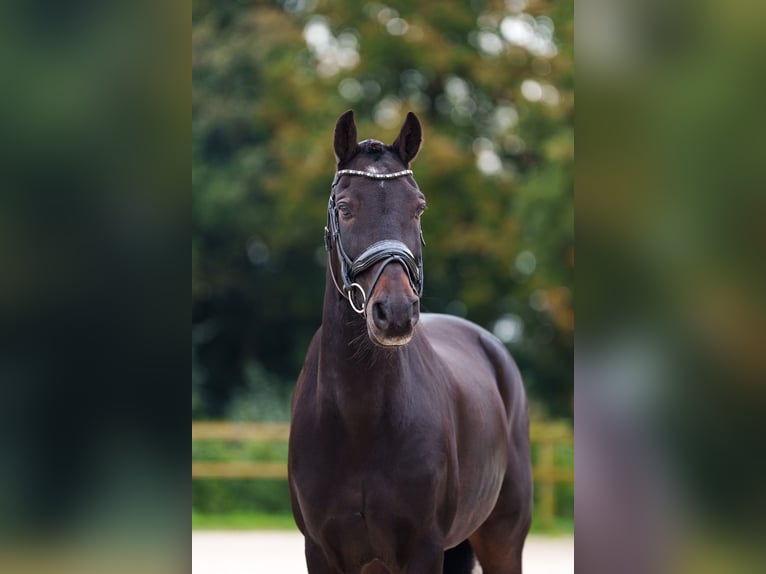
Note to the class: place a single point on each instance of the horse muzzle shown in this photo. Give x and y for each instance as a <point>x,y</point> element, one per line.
<point>393,309</point>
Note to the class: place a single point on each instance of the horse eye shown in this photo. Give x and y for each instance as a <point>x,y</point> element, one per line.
<point>344,211</point>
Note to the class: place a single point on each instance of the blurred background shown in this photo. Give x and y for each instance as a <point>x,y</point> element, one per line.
<point>492,83</point>
<point>671,223</point>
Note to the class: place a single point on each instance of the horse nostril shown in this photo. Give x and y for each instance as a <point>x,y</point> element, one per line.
<point>379,315</point>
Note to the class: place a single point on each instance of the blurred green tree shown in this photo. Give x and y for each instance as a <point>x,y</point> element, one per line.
<point>492,83</point>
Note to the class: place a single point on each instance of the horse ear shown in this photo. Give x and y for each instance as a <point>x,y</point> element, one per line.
<point>345,137</point>
<point>407,143</point>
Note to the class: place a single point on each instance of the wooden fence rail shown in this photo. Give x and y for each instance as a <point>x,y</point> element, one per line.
<point>546,435</point>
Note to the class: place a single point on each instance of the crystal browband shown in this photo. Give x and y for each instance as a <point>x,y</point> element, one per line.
<point>370,174</point>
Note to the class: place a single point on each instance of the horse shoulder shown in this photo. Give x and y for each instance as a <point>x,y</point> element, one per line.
<point>481,366</point>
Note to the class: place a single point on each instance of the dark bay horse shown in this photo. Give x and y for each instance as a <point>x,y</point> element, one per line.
<point>409,441</point>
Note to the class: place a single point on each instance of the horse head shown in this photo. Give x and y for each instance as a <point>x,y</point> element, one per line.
<point>373,234</point>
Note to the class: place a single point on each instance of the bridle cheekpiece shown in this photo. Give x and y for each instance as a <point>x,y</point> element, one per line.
<point>385,251</point>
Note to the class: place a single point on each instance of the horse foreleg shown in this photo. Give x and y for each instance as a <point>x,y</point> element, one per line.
<point>498,543</point>
<point>316,561</point>
<point>498,548</point>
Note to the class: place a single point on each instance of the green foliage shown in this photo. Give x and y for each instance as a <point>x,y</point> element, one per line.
<point>227,496</point>
<point>493,89</point>
<point>563,458</point>
<point>222,496</point>
<point>265,397</point>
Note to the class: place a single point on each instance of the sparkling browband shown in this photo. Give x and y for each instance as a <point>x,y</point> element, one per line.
<point>370,174</point>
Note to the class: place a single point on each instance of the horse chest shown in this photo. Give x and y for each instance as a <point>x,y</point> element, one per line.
<point>377,482</point>
<point>373,512</point>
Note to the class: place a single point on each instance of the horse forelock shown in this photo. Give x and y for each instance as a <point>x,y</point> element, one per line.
<point>373,147</point>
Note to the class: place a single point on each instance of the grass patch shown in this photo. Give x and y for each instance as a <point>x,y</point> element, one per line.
<point>242,521</point>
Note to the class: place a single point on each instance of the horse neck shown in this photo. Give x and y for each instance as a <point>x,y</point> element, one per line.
<point>356,377</point>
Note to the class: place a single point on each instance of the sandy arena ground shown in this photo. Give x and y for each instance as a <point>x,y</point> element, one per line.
<point>262,552</point>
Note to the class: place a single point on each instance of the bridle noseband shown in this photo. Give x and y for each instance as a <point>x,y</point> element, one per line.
<point>385,251</point>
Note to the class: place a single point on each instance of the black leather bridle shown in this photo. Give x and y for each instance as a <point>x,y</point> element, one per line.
<point>385,251</point>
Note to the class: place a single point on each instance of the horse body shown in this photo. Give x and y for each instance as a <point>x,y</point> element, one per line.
<point>401,451</point>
